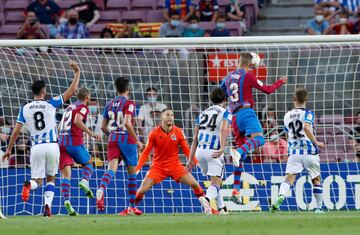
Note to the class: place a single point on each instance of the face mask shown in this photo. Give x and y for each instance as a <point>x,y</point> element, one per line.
<point>6,130</point>
<point>194,26</point>
<point>93,110</point>
<point>319,18</point>
<point>273,138</point>
<point>175,23</point>
<point>73,20</point>
<point>151,99</point>
<point>271,119</point>
<point>343,20</point>
<point>220,25</point>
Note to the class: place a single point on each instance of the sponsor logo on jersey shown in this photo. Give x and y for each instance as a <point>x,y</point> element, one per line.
<point>173,137</point>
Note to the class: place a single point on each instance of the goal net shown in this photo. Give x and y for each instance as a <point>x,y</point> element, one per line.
<point>183,71</point>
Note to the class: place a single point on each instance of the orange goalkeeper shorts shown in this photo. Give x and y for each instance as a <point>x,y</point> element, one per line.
<point>159,174</point>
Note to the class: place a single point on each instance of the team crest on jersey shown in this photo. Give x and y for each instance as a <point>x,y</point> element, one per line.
<point>235,76</point>
<point>173,137</point>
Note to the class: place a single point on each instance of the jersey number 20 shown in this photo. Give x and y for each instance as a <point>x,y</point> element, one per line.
<point>119,120</point>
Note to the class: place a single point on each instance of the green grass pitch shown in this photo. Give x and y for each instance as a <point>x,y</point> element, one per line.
<point>262,223</point>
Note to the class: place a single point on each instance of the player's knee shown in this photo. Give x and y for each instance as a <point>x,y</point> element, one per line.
<point>261,140</point>
<point>39,182</point>
<point>316,180</point>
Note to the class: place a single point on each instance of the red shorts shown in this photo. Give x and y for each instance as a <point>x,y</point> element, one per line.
<point>113,151</point>
<point>159,174</point>
<point>65,159</point>
<point>240,139</point>
<point>123,151</point>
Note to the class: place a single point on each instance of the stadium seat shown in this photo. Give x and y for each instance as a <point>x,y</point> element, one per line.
<point>100,4</point>
<point>235,28</point>
<point>96,30</point>
<point>134,15</point>
<point>9,31</point>
<point>66,4</point>
<point>207,26</point>
<point>123,5</point>
<point>331,119</point>
<point>14,18</point>
<point>143,5</point>
<point>109,17</point>
<point>2,18</point>
<point>155,16</point>
<point>160,4</point>
<point>15,5</point>
<point>330,156</point>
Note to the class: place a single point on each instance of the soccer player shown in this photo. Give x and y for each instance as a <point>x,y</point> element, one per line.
<point>123,143</point>
<point>238,86</point>
<point>165,140</point>
<point>72,146</point>
<point>39,118</point>
<point>211,130</point>
<point>302,148</point>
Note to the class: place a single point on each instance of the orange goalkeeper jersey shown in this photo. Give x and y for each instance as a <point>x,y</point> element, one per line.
<point>166,148</point>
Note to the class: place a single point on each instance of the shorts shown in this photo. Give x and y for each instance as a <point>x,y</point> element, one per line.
<point>158,174</point>
<point>69,154</point>
<point>296,164</point>
<point>240,139</point>
<point>44,160</point>
<point>247,122</point>
<point>123,151</point>
<point>210,166</point>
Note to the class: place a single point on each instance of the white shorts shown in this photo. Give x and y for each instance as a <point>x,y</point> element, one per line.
<point>210,166</point>
<point>296,164</point>
<point>44,160</point>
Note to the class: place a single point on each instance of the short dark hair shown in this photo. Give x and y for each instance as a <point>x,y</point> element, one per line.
<point>217,95</point>
<point>82,93</point>
<point>173,12</point>
<point>106,30</point>
<point>151,89</point>
<point>193,17</point>
<point>301,95</point>
<point>221,16</point>
<point>37,86</point>
<point>122,85</point>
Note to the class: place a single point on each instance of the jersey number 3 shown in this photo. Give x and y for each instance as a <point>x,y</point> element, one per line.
<point>234,87</point>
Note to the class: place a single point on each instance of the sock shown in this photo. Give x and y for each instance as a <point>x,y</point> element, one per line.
<point>284,187</point>
<point>219,200</point>
<point>65,189</point>
<point>49,193</point>
<point>132,187</point>
<point>250,144</point>
<point>33,185</point>
<point>105,180</point>
<point>212,191</point>
<point>237,175</point>
<point>317,191</point>
<point>198,191</point>
<point>138,198</point>
<point>87,172</point>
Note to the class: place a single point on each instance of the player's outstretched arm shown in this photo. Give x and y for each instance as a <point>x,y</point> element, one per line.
<point>129,127</point>
<point>190,162</point>
<point>223,136</point>
<point>12,140</point>
<point>104,127</point>
<point>146,153</point>
<point>75,83</point>
<point>309,133</point>
<point>80,124</point>
<point>266,88</point>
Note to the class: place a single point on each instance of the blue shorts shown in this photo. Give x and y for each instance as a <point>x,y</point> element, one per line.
<point>123,151</point>
<point>247,121</point>
<point>69,154</point>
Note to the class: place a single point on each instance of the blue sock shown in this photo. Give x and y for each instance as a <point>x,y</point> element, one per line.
<point>87,171</point>
<point>132,187</point>
<point>65,189</point>
<point>318,192</point>
<point>250,144</point>
<point>105,180</point>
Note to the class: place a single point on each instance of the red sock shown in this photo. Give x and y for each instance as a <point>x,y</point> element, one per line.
<point>138,198</point>
<point>198,191</point>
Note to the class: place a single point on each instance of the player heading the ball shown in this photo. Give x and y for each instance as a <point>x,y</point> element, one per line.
<point>302,149</point>
<point>39,118</point>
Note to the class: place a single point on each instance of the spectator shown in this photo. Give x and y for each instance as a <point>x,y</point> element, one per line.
<point>72,29</point>
<point>149,113</point>
<point>351,6</point>
<point>21,157</point>
<point>173,28</point>
<point>236,12</point>
<point>355,137</point>
<point>220,29</point>
<point>94,124</point>
<point>270,121</point>
<point>356,28</point>
<point>107,33</point>
<point>88,12</point>
<point>275,149</point>
<point>185,8</point>
<point>31,28</point>
<point>207,10</point>
<point>5,132</point>
<point>328,6</point>
<point>344,26</point>
<point>48,12</point>
<point>318,25</point>
<point>193,30</point>
<point>131,30</point>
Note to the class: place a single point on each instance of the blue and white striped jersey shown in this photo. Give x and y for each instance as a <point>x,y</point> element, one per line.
<point>39,118</point>
<point>209,122</point>
<point>298,142</point>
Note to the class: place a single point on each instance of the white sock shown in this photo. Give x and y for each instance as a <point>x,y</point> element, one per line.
<point>33,185</point>
<point>49,193</point>
<point>284,188</point>
<point>317,191</point>
<point>220,200</point>
<point>212,192</point>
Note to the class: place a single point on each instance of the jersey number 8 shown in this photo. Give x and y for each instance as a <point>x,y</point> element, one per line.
<point>39,121</point>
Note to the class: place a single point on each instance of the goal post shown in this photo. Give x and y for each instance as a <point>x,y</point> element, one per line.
<point>184,70</point>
